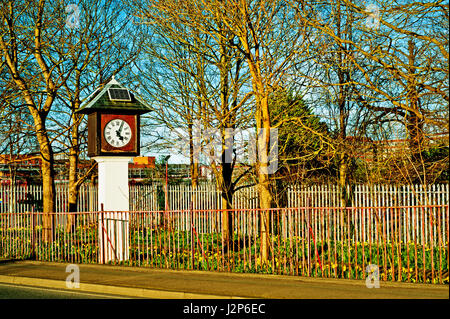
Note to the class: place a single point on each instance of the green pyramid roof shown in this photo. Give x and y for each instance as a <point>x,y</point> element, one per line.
<point>100,101</point>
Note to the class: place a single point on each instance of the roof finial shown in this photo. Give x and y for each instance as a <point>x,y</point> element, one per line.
<point>113,80</point>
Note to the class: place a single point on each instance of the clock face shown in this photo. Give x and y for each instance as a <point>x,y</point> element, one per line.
<point>117,133</point>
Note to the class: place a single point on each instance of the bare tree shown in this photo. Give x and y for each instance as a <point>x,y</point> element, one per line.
<point>99,48</point>
<point>199,83</point>
<point>404,65</point>
<point>267,34</point>
<point>52,64</point>
<point>26,51</point>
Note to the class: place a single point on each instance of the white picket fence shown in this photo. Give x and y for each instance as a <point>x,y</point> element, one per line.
<point>388,201</point>
<point>407,208</point>
<point>369,195</point>
<point>28,198</point>
<point>206,197</point>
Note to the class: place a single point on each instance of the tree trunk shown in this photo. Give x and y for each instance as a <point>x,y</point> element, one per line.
<point>73,189</point>
<point>263,162</point>
<point>262,118</point>
<point>48,185</point>
<point>73,173</point>
<point>343,97</point>
<point>414,124</point>
<point>227,191</point>
<point>193,158</point>
<point>343,175</point>
<point>225,175</point>
<point>416,136</point>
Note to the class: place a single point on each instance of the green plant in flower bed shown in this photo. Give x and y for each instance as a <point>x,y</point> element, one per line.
<point>76,246</point>
<point>79,245</point>
<point>340,260</point>
<point>346,261</point>
<point>15,242</point>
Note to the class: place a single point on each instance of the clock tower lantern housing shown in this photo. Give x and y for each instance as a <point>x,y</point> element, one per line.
<point>113,121</point>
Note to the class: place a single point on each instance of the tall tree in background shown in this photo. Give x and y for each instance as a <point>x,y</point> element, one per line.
<point>196,80</point>
<point>53,62</point>
<point>331,82</point>
<point>25,44</point>
<point>401,52</point>
<point>268,36</point>
<point>97,49</point>
<point>304,142</point>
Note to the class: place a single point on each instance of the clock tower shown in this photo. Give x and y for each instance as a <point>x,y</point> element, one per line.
<point>113,140</point>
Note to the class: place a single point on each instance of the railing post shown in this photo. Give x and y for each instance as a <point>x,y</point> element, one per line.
<point>102,244</point>
<point>192,236</point>
<point>33,244</point>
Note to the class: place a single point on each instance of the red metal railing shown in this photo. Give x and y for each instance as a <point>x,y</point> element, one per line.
<point>407,243</point>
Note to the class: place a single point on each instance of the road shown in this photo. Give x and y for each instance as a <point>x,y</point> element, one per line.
<point>8,291</point>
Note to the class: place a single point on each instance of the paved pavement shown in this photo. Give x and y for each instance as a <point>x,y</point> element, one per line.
<point>139,282</point>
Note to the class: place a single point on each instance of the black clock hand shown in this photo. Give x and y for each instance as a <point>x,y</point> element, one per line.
<point>119,131</point>
<point>119,135</point>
